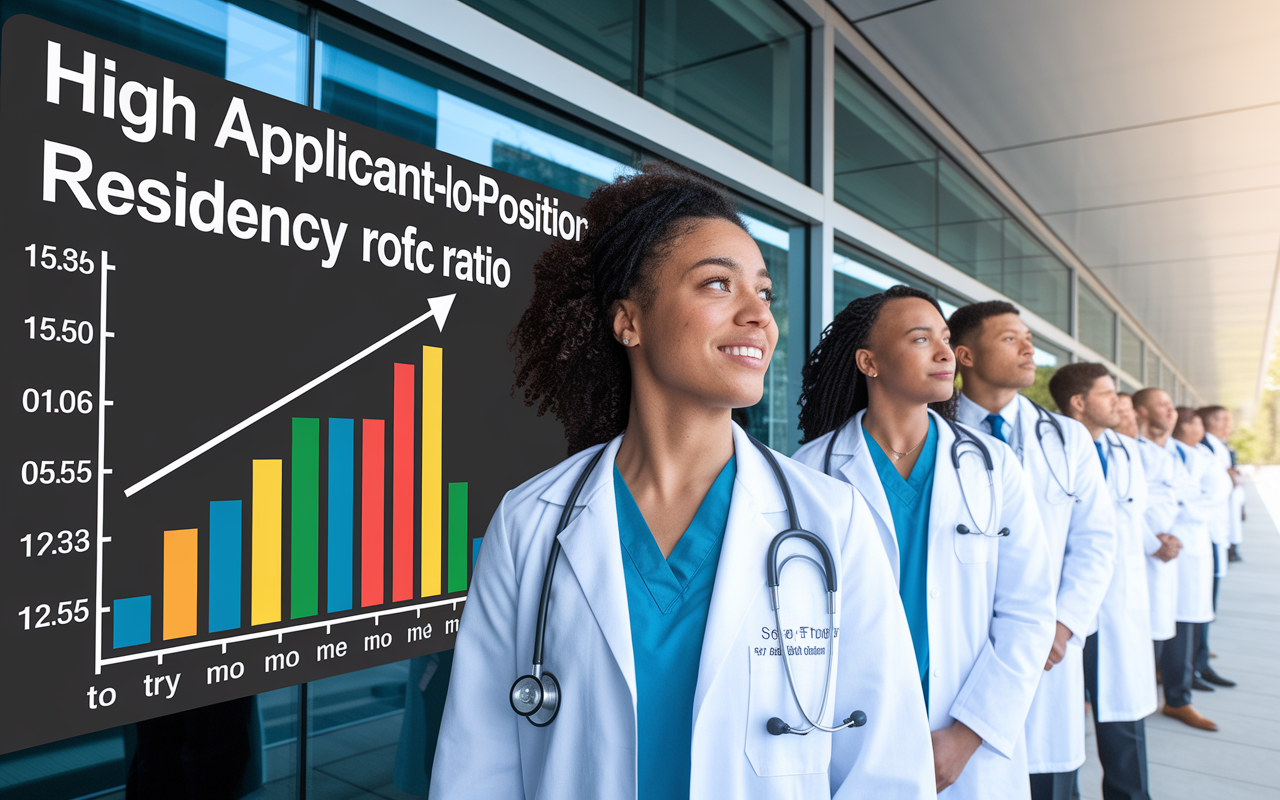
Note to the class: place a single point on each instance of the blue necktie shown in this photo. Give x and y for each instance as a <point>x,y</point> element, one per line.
<point>997,426</point>
<point>1181,453</point>
<point>1101,457</point>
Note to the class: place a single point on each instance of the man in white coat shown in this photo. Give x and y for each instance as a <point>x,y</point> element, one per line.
<point>1119,663</point>
<point>1154,417</point>
<point>996,359</point>
<point>1217,427</point>
<point>1195,488</point>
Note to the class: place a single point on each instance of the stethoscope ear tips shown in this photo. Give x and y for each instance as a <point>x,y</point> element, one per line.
<point>777,727</point>
<point>857,719</point>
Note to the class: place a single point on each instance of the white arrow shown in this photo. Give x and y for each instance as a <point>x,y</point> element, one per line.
<point>439,309</point>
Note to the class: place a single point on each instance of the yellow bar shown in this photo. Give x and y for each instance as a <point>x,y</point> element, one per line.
<point>268,484</point>
<point>432,455</point>
<point>180,554</point>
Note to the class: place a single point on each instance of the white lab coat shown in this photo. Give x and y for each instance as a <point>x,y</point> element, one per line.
<point>1221,531</point>
<point>589,750</point>
<point>1163,507</point>
<point>990,617</point>
<point>1197,515</point>
<point>1080,529</point>
<point>1126,658</point>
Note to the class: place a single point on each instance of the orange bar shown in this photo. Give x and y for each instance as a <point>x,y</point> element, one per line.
<point>180,555</point>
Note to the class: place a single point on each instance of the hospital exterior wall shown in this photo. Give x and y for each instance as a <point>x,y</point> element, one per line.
<point>849,182</point>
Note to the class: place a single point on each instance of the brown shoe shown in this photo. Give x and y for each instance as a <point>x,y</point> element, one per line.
<point>1190,716</point>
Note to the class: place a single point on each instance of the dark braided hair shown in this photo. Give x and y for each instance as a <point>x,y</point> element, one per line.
<point>567,360</point>
<point>832,388</point>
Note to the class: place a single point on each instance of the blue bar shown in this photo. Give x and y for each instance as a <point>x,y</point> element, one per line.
<point>224,564</point>
<point>475,553</point>
<point>131,621</point>
<point>342,484</point>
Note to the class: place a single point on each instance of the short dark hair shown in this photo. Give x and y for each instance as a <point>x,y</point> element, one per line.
<point>1074,379</point>
<point>1186,414</point>
<point>967,320</point>
<point>1207,413</point>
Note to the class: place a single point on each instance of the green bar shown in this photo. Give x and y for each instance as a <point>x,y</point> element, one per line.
<point>304,531</point>
<point>457,537</point>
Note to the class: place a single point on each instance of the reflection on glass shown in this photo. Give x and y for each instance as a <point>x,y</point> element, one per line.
<point>855,278</point>
<point>1097,323</point>
<point>365,80</point>
<point>890,172</point>
<point>354,726</point>
<point>736,69</point>
<point>1130,351</point>
<point>255,43</point>
<point>770,420</point>
<point>598,34</point>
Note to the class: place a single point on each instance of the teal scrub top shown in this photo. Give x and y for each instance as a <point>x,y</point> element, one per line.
<point>909,505</point>
<point>668,601</point>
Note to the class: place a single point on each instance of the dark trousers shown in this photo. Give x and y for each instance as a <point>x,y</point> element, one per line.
<point>1053,785</point>
<point>1122,746</point>
<point>1200,658</point>
<point>1175,665</point>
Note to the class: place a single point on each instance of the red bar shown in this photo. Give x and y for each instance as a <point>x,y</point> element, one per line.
<point>372,508</point>
<point>402,484</point>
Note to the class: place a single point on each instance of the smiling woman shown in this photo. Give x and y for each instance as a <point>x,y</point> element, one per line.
<point>642,339</point>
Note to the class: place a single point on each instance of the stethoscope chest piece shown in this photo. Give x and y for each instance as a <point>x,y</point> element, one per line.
<point>536,697</point>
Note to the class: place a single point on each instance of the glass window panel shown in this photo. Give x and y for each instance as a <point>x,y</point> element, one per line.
<point>368,81</point>
<point>1097,323</point>
<point>1130,351</point>
<point>970,225</point>
<point>1033,277</point>
<point>375,729</point>
<point>598,34</point>
<point>1168,380</point>
<point>1151,375</point>
<point>736,69</point>
<point>256,43</point>
<point>1128,388</point>
<point>1050,355</point>
<point>858,276</point>
<point>886,169</point>
<point>772,420</point>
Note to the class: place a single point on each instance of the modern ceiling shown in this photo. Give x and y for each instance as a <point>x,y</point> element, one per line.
<point>1145,133</point>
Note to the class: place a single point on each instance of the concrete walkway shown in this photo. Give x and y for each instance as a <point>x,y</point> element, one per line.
<point>1242,760</point>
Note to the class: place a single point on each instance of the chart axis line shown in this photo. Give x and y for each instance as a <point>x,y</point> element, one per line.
<point>279,632</point>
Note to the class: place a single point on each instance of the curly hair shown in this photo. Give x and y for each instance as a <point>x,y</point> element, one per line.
<point>567,360</point>
<point>832,388</point>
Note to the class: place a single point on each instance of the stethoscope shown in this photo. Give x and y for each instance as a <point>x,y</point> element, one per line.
<point>537,696</point>
<point>1043,417</point>
<point>964,442</point>
<point>1128,466</point>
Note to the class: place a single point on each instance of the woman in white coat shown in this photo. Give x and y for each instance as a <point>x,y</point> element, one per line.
<point>659,630</point>
<point>965,540</point>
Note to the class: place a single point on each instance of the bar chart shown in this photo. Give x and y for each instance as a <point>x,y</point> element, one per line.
<point>236,463</point>
<point>354,552</point>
